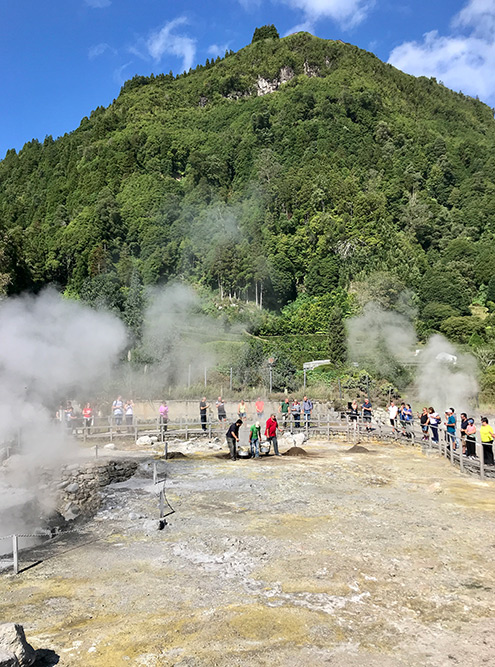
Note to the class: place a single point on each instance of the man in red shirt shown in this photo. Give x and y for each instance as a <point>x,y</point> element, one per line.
<point>271,433</point>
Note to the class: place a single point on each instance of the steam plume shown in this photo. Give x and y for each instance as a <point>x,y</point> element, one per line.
<point>50,347</point>
<point>385,341</point>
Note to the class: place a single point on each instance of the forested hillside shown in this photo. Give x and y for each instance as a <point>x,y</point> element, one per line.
<point>302,174</point>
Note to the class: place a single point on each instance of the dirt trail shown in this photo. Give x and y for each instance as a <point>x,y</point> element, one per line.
<point>332,559</point>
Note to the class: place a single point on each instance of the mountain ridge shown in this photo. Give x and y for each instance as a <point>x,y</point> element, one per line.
<point>346,169</point>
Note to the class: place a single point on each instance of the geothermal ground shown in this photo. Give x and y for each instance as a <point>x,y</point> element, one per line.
<point>376,559</point>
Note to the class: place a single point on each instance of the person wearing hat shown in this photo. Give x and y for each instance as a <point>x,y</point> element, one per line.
<point>471,439</point>
<point>450,423</point>
<point>254,439</point>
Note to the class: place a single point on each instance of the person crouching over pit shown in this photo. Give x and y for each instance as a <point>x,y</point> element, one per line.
<point>271,433</point>
<point>233,438</point>
<point>254,440</point>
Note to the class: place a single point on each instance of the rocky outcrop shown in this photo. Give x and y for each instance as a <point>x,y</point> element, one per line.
<point>266,86</point>
<point>14,648</point>
<point>311,70</point>
<point>286,74</point>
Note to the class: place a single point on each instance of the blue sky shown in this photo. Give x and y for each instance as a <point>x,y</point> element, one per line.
<point>63,58</point>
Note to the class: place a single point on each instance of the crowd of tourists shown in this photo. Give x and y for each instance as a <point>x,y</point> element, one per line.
<point>122,413</point>
<point>460,433</point>
<point>290,410</point>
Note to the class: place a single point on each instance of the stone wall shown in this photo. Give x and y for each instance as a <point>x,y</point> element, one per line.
<point>77,491</point>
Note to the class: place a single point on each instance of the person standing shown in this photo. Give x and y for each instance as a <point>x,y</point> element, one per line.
<point>129,414</point>
<point>163,411</point>
<point>402,418</point>
<point>69,415</point>
<point>450,422</point>
<point>307,409</point>
<point>271,433</point>
<point>254,439</point>
<point>296,413</point>
<point>118,410</point>
<point>242,410</point>
<point>487,435</point>
<point>354,413</point>
<point>471,439</point>
<point>88,416</point>
<point>424,420</point>
<point>462,429</point>
<point>233,438</point>
<point>433,421</point>
<point>220,405</point>
<point>203,407</point>
<point>260,409</point>
<point>392,415</point>
<point>366,410</point>
<point>284,409</point>
<point>408,420</point>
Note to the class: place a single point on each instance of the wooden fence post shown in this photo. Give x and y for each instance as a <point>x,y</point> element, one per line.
<point>15,553</point>
<point>481,456</point>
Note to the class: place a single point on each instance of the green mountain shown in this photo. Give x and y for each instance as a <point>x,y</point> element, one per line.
<point>297,171</point>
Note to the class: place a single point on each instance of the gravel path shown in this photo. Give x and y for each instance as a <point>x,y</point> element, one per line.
<point>379,559</point>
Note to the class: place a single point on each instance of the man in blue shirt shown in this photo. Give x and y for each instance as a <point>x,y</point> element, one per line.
<point>451,427</point>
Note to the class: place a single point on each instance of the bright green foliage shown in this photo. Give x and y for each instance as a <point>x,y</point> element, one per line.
<point>337,337</point>
<point>490,292</point>
<point>447,287</point>
<point>265,32</point>
<point>461,329</point>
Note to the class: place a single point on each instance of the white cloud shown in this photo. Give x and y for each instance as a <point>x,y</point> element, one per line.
<point>478,15</point>
<point>98,4</point>
<point>463,60</point>
<point>164,41</point>
<point>348,13</point>
<point>307,26</point>
<point>119,74</point>
<point>217,49</point>
<point>250,4</point>
<point>98,50</point>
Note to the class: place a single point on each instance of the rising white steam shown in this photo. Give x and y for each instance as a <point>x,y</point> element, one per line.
<point>176,340</point>
<point>50,349</point>
<point>441,383</point>
<point>385,342</point>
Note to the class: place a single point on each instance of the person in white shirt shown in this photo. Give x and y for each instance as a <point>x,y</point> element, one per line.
<point>392,414</point>
<point>433,422</point>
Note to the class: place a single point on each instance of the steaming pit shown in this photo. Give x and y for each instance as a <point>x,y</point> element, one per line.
<point>336,558</point>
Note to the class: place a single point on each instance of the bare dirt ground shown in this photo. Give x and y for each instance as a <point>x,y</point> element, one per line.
<point>377,559</point>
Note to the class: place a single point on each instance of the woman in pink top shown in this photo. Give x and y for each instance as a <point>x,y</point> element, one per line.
<point>163,416</point>
<point>471,439</point>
